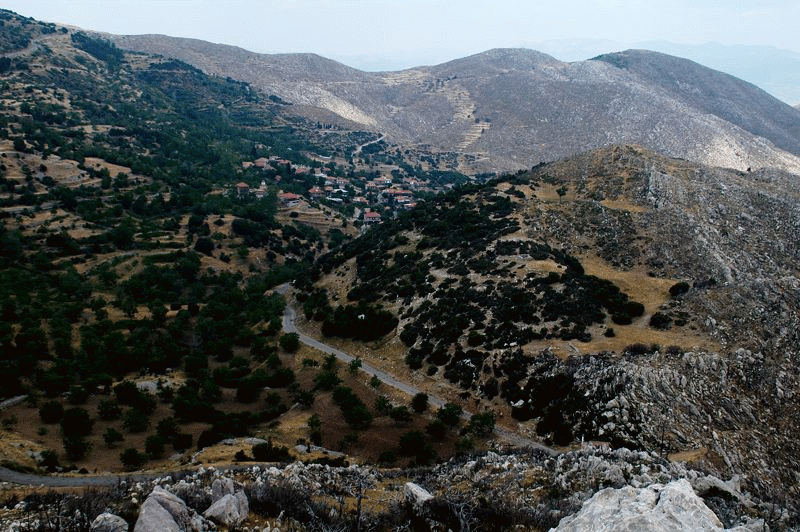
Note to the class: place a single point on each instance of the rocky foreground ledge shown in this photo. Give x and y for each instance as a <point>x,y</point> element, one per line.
<point>591,489</point>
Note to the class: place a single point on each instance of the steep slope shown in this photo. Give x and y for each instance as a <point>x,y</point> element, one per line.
<point>511,108</point>
<point>303,79</point>
<point>715,93</point>
<point>678,280</point>
<point>123,241</point>
<point>642,220</point>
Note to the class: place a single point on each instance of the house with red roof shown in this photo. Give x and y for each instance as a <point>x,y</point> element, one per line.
<point>289,199</point>
<point>372,217</point>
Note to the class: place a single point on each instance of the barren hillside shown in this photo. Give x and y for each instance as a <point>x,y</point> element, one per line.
<point>512,108</point>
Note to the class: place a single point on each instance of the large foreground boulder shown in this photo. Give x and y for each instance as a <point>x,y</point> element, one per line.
<point>163,511</point>
<point>657,508</point>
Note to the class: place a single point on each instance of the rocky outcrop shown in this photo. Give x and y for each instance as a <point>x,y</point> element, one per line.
<point>230,510</point>
<point>658,508</point>
<point>163,511</point>
<point>527,489</point>
<point>416,495</point>
<point>230,506</point>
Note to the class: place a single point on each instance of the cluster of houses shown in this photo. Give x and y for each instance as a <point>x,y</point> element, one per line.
<point>382,194</point>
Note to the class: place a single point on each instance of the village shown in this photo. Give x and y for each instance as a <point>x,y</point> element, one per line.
<point>363,200</point>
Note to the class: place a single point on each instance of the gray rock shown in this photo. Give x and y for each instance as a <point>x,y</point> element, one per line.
<point>165,511</point>
<point>221,487</point>
<point>756,525</point>
<point>659,508</point>
<point>706,483</point>
<point>109,523</point>
<point>231,510</point>
<point>155,518</point>
<point>416,495</point>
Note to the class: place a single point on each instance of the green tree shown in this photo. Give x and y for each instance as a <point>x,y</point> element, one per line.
<point>267,452</point>
<point>135,420</point>
<point>127,393</point>
<point>383,405</point>
<point>326,380</point>
<point>401,415</point>
<point>678,289</point>
<point>167,428</point>
<point>49,459</point>
<point>411,442</point>
<point>75,447</point>
<point>450,414</point>
<point>354,410</point>
<point>204,245</point>
<point>249,390</point>
<point>315,429</point>
<point>420,402</point>
<point>108,410</point>
<point>290,342</point>
<point>354,365</point>
<point>329,362</point>
<point>181,441</point>
<point>76,422</point>
<point>132,459</point>
<point>112,436</point>
<point>154,446</point>
<point>482,424</point>
<point>436,429</point>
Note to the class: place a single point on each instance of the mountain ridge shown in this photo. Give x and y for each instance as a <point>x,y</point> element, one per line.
<point>771,68</point>
<point>511,108</point>
<point>665,70</point>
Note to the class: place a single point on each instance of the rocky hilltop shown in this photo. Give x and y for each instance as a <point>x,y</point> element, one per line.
<point>618,295</point>
<point>533,491</point>
<point>511,108</point>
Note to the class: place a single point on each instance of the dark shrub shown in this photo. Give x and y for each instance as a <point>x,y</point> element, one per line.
<point>679,289</point>
<point>266,452</point>
<point>51,412</point>
<point>132,459</point>
<point>659,320</point>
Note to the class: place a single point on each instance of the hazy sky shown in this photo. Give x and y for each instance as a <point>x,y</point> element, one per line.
<point>391,33</point>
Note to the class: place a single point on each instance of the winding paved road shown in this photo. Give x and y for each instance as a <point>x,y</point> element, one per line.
<point>84,481</point>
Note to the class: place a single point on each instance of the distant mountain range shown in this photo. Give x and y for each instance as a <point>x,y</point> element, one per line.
<point>775,70</point>
<point>508,109</point>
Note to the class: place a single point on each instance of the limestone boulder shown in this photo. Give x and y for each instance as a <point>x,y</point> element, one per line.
<point>107,522</point>
<point>673,507</point>
<point>165,511</point>
<point>230,510</point>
